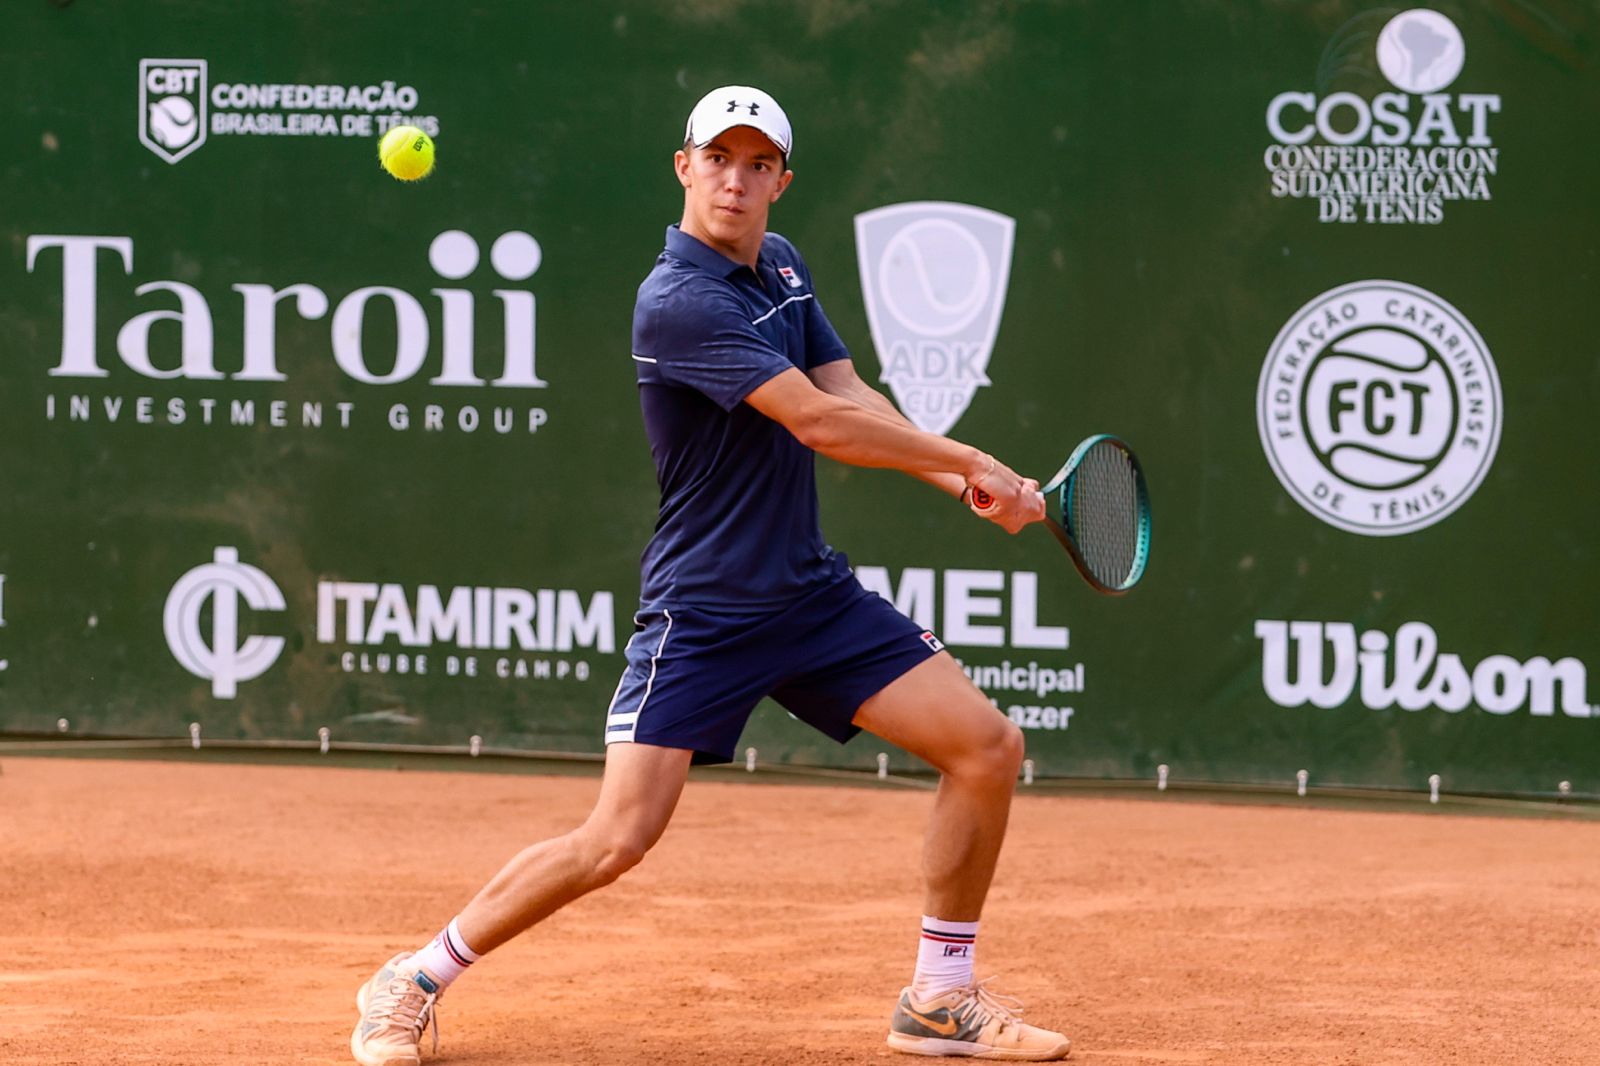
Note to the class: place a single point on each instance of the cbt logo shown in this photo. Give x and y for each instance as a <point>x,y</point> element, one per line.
<point>220,657</point>
<point>172,106</point>
<point>934,276</point>
<point>1379,408</point>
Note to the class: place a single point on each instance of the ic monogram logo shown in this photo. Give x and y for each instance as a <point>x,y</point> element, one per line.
<point>222,659</point>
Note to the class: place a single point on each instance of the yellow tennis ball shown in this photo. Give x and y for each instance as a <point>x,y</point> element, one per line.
<point>406,152</point>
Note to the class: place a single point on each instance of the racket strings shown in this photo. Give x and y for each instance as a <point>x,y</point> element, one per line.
<point>1104,513</point>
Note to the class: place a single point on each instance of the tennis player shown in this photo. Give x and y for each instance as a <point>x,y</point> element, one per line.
<point>742,381</point>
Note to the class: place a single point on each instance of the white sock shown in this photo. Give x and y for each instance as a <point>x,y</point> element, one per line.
<point>944,957</point>
<point>447,956</point>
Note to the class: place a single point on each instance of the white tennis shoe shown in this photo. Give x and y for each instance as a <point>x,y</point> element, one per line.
<point>396,1006</point>
<point>971,1023</point>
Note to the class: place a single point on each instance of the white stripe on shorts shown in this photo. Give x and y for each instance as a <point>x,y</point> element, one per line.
<point>630,719</point>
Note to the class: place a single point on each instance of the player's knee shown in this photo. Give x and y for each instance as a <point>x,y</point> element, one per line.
<point>993,753</point>
<point>1008,748</point>
<point>615,855</point>
<point>1016,744</point>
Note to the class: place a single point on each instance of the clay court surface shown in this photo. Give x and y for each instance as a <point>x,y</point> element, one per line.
<point>157,912</point>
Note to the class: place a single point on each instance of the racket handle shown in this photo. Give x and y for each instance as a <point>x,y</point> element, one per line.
<point>982,502</point>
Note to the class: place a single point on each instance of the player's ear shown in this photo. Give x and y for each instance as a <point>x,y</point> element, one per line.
<point>680,164</point>
<point>783,183</point>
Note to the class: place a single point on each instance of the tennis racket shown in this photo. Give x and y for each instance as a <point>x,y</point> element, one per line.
<point>1098,507</point>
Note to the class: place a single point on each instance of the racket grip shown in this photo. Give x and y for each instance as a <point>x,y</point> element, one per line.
<point>981,501</point>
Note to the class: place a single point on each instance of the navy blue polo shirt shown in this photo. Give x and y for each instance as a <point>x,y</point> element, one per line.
<point>738,526</point>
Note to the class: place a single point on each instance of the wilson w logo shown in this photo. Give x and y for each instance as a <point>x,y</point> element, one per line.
<point>1332,665</point>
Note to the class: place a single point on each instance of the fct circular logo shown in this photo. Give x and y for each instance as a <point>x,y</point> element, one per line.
<point>1420,51</point>
<point>1379,408</point>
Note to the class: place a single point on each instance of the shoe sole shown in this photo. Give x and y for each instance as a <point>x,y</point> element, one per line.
<point>966,1049</point>
<point>363,1056</point>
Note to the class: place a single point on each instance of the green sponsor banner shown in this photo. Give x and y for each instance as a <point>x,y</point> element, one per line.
<point>291,445</point>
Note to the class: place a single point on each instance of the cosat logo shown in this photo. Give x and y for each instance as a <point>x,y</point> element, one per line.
<point>1418,678</point>
<point>515,256</point>
<point>177,109</point>
<point>1379,408</point>
<point>172,106</point>
<point>934,278</point>
<point>1399,156</point>
<point>221,659</point>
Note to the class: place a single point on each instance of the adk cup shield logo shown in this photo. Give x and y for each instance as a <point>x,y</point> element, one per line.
<point>220,657</point>
<point>172,106</point>
<point>1379,408</point>
<point>933,276</point>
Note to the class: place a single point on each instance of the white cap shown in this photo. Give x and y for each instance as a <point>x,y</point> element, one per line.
<point>738,105</point>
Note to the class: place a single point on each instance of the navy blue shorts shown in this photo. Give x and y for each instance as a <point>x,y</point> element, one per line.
<point>694,675</point>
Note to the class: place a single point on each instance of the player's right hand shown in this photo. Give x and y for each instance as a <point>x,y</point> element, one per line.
<point>1007,499</point>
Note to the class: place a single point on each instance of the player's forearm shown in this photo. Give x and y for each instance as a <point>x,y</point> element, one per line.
<point>878,403</point>
<point>849,432</point>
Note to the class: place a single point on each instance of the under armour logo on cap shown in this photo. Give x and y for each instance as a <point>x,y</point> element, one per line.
<point>738,105</point>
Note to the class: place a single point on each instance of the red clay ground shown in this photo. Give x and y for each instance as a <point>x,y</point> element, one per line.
<point>187,914</point>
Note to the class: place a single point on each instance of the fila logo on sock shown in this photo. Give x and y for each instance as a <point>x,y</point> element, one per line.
<point>964,950</point>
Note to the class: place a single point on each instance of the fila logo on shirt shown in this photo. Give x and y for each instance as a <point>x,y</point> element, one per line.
<point>933,642</point>
<point>788,274</point>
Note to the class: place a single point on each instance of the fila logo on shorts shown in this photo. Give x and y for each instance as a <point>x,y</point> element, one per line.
<point>933,642</point>
<point>788,274</point>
